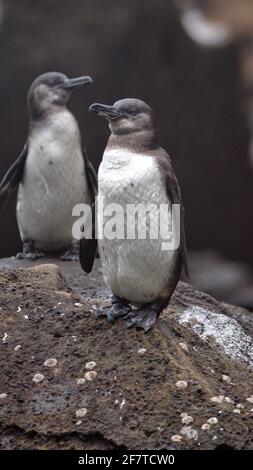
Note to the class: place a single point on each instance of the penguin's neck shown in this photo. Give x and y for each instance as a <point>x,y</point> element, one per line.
<point>138,142</point>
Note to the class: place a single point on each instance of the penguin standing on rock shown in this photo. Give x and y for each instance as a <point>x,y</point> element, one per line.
<point>52,173</point>
<point>136,170</point>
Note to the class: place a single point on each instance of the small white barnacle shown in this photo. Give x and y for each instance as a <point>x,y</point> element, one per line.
<point>90,365</point>
<point>81,412</point>
<point>182,384</point>
<point>37,378</point>
<point>176,438</point>
<point>51,362</point>
<point>212,420</point>
<point>92,374</point>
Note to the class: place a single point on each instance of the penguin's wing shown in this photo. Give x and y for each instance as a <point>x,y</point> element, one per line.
<point>13,177</point>
<point>91,176</point>
<point>88,247</point>
<point>174,194</point>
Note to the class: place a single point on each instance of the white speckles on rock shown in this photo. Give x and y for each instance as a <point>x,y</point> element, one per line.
<point>237,411</point>
<point>183,415</point>
<point>81,412</point>
<point>5,336</point>
<point>78,423</point>
<point>122,403</point>
<point>205,427</point>
<point>3,396</point>
<point>51,362</point>
<point>176,438</point>
<point>250,399</point>
<point>91,375</point>
<point>219,399</point>
<point>90,365</point>
<point>184,347</point>
<point>38,378</point>
<point>212,421</point>
<point>19,309</point>
<point>26,317</point>
<point>189,432</point>
<point>229,400</point>
<point>240,406</point>
<point>142,351</point>
<point>78,304</point>
<point>226,332</point>
<point>187,420</point>
<point>227,379</point>
<point>80,381</point>
<point>17,347</point>
<point>181,384</point>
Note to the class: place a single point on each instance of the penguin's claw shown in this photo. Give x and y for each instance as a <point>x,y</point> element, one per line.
<point>114,311</point>
<point>144,318</point>
<point>33,255</point>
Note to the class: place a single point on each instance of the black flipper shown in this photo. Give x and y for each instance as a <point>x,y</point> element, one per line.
<point>91,176</point>
<point>174,194</point>
<point>88,247</point>
<point>13,177</point>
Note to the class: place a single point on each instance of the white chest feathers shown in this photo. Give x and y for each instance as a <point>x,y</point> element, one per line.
<point>135,269</point>
<point>54,181</point>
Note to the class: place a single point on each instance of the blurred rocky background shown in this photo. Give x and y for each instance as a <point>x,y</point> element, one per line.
<point>192,61</point>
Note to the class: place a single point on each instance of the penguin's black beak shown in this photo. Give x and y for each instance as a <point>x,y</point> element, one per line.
<point>110,112</point>
<point>73,83</point>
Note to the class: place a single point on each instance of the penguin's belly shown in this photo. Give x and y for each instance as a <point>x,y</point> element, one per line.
<point>54,181</point>
<point>137,270</point>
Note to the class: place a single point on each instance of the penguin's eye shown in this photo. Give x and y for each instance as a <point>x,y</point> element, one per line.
<point>132,112</point>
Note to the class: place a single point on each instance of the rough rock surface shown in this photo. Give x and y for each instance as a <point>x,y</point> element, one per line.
<point>198,361</point>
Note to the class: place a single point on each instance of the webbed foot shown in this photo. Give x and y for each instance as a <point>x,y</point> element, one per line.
<point>29,252</point>
<point>144,317</point>
<point>118,309</point>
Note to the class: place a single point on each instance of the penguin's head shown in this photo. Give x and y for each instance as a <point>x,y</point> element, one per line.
<point>126,116</point>
<point>50,89</point>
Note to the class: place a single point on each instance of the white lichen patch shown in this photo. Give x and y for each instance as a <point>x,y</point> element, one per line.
<point>237,411</point>
<point>212,421</point>
<point>38,378</point>
<point>142,351</point>
<point>90,365</point>
<point>3,396</point>
<point>51,362</point>
<point>225,331</point>
<point>183,415</point>
<point>176,438</point>
<point>81,412</point>
<point>92,374</point>
<point>80,381</point>
<point>189,432</point>
<point>182,384</point>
